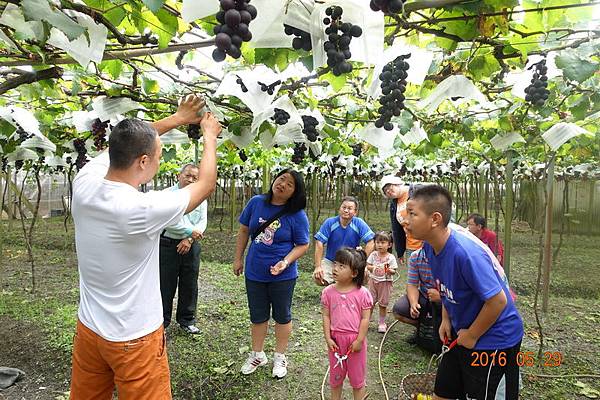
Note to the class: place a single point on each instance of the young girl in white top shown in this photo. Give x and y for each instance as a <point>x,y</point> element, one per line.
<point>381,265</point>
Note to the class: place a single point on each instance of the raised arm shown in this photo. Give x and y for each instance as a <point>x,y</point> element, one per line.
<point>207,170</point>
<point>187,113</point>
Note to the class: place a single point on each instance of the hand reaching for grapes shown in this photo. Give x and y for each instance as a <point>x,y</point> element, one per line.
<point>187,112</point>
<point>211,127</point>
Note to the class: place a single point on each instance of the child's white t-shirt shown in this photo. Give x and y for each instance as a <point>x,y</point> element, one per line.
<point>117,231</point>
<point>378,274</point>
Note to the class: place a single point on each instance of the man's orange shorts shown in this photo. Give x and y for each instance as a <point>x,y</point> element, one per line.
<point>139,368</point>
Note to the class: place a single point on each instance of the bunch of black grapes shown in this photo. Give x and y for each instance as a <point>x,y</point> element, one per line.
<point>234,18</point>
<point>387,6</point>
<point>393,84</point>
<point>4,164</point>
<point>79,145</point>
<point>243,155</point>
<point>270,89</point>
<point>23,135</point>
<point>537,92</point>
<point>310,127</point>
<point>241,83</point>
<point>281,117</point>
<point>301,39</point>
<point>299,153</point>
<point>193,131</point>
<point>337,46</point>
<point>99,133</point>
<point>356,150</point>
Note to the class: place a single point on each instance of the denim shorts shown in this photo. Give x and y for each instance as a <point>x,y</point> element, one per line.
<point>266,296</point>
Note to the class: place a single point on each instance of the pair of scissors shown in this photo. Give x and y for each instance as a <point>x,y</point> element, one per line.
<point>447,347</point>
<point>341,358</point>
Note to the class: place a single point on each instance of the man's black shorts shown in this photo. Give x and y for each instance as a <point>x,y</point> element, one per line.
<point>473,373</point>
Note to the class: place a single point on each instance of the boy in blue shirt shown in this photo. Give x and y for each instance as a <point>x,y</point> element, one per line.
<point>343,230</point>
<point>477,308</point>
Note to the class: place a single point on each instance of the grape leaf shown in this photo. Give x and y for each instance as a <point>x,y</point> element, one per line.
<point>576,68</point>
<point>154,5</point>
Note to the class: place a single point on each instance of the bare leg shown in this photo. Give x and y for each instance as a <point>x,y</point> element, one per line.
<point>336,392</point>
<point>382,312</point>
<point>259,333</point>
<point>359,394</point>
<point>282,335</point>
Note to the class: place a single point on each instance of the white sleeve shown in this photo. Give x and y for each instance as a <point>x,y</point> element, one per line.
<point>156,210</point>
<point>203,209</point>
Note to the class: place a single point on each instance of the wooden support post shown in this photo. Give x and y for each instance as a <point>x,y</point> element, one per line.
<point>508,211</point>
<point>548,234</point>
<point>232,204</point>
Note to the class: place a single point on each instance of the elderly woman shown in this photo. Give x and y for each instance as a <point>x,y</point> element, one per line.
<point>278,228</point>
<point>394,189</point>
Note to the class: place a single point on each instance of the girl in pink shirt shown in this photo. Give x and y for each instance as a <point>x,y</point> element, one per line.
<point>346,313</point>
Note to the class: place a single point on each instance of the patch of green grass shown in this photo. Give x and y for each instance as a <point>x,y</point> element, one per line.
<point>206,366</point>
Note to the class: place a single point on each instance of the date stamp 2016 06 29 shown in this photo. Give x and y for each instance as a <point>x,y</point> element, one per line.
<point>523,358</point>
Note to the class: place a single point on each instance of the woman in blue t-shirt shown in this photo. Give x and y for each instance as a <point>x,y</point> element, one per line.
<point>277,227</point>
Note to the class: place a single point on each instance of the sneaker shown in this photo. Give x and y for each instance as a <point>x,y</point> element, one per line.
<point>190,329</point>
<point>381,328</point>
<point>279,365</point>
<point>255,359</point>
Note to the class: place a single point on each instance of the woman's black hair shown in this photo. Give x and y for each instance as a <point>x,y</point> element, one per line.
<point>298,200</point>
<point>356,260</point>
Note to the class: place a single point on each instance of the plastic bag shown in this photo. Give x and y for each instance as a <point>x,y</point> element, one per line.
<point>82,49</point>
<point>379,137</point>
<point>284,103</point>
<point>297,13</point>
<point>503,142</point>
<point>254,98</point>
<point>366,48</point>
<point>560,133</point>
<point>419,61</point>
<point>174,136</point>
<point>455,86</point>
<point>267,28</point>
<point>39,142</point>
<point>415,135</point>
<point>243,140</point>
<point>109,108</point>
<point>194,9</point>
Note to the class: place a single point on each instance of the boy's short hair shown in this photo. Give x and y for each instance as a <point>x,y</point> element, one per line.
<point>478,219</point>
<point>351,199</point>
<point>435,198</point>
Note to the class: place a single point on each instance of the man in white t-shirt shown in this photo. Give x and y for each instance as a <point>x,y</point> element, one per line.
<point>120,336</point>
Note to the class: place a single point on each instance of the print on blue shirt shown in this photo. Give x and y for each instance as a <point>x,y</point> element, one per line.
<point>275,242</point>
<point>466,278</point>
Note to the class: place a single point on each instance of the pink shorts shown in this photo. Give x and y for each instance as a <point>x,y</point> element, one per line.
<point>355,366</point>
<point>380,291</point>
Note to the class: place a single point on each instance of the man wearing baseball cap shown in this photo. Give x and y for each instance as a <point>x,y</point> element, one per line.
<point>394,189</point>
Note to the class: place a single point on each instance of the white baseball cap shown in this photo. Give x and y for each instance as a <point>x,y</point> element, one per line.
<point>390,180</point>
